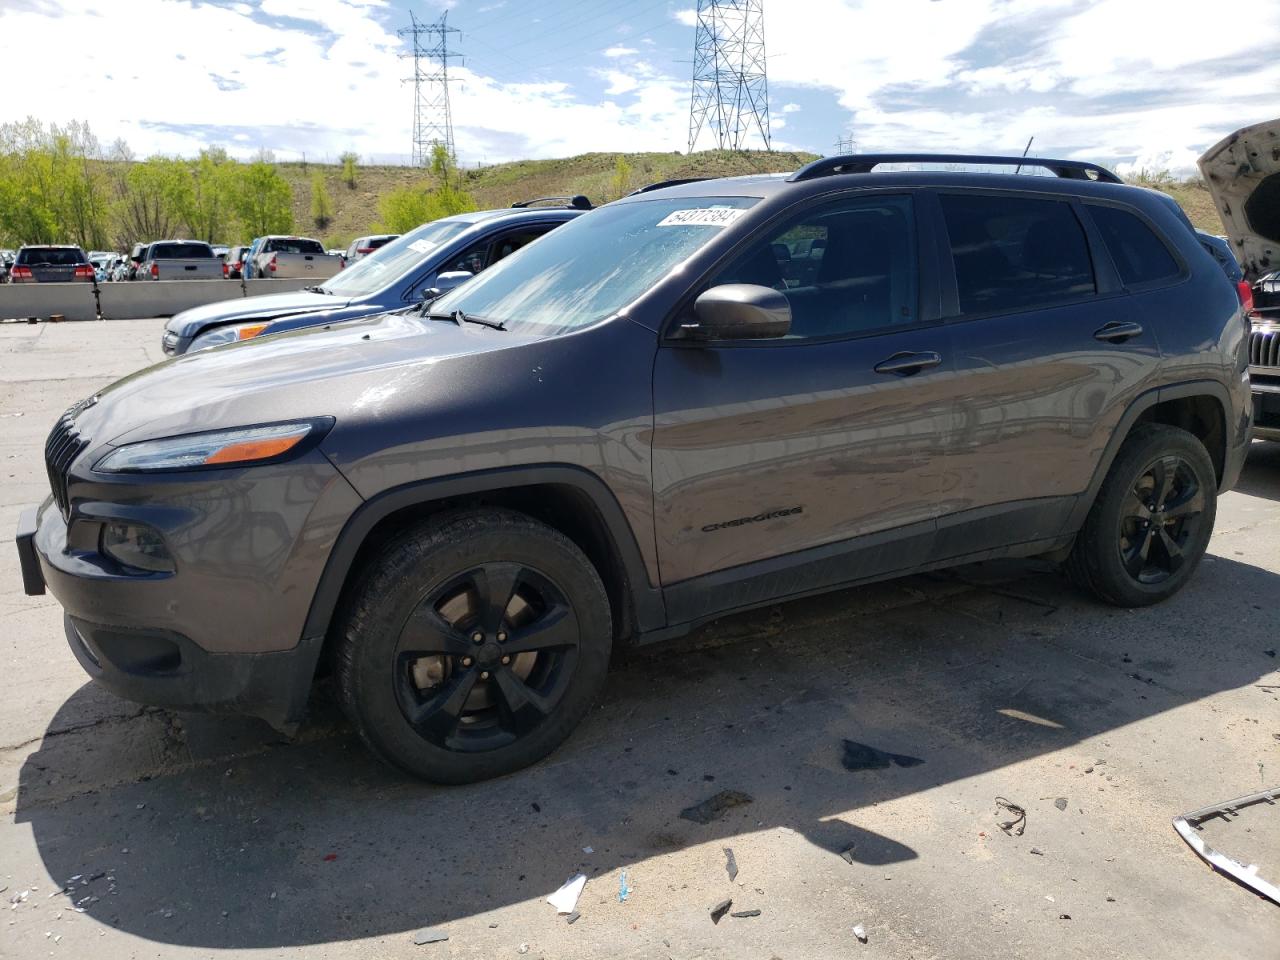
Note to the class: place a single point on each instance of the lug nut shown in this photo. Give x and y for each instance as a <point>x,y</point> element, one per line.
<point>502,637</point>
<point>477,637</point>
<point>466,661</point>
<point>505,661</point>
<point>484,674</point>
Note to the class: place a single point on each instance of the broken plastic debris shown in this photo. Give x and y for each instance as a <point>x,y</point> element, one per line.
<point>430,935</point>
<point>1060,803</point>
<point>860,932</point>
<point>624,891</point>
<point>720,909</point>
<point>847,855</point>
<point>743,914</point>
<point>1018,825</point>
<point>730,864</point>
<point>566,898</point>
<point>573,917</point>
<point>588,850</point>
<point>715,807</point>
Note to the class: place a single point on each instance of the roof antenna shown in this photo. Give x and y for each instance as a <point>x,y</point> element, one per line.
<point>1025,150</point>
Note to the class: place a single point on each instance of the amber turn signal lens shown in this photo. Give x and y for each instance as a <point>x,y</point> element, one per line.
<point>245,333</point>
<point>253,450</point>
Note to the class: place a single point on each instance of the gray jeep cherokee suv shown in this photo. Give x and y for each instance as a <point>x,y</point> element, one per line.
<point>703,398</point>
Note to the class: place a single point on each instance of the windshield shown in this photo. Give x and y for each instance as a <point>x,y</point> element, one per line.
<point>594,266</point>
<point>389,263</point>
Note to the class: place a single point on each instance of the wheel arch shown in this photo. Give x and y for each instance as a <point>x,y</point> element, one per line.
<point>1199,407</point>
<point>570,499</point>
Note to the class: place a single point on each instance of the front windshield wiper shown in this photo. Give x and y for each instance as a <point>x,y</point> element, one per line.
<point>314,288</point>
<point>460,318</point>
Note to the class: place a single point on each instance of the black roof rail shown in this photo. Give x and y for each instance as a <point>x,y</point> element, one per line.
<point>662,184</point>
<point>576,202</point>
<point>866,162</point>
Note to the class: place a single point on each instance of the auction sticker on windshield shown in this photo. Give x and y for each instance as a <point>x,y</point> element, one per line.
<point>422,246</point>
<point>702,217</point>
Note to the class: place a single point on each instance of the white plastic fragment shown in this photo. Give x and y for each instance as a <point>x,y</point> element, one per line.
<point>566,898</point>
<point>860,932</point>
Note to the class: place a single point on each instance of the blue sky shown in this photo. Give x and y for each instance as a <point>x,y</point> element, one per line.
<point>1126,82</point>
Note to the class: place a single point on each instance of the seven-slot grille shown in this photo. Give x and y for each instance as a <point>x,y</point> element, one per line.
<point>63,446</point>
<point>1264,348</point>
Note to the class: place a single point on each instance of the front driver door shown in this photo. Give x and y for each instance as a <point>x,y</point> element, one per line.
<point>788,465</point>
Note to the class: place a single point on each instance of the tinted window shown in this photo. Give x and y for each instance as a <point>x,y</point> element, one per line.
<point>845,267</point>
<point>293,245</point>
<point>51,256</point>
<point>1139,255</point>
<point>1014,253</point>
<point>181,251</point>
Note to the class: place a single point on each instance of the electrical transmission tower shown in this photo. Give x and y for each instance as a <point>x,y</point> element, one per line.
<point>432,119</point>
<point>730,89</point>
<point>845,145</point>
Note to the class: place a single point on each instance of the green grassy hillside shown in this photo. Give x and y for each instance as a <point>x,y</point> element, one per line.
<point>356,209</point>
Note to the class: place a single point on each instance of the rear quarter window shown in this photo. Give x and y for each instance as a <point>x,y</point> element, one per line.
<point>1139,255</point>
<point>1016,253</point>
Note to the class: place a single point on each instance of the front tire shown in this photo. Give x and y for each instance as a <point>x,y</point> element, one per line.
<point>473,645</point>
<point>1151,521</point>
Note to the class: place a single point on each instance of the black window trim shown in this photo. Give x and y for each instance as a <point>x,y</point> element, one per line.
<point>1184,271</point>
<point>927,300</point>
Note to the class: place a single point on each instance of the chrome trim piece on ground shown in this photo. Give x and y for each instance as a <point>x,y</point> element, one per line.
<point>1188,825</point>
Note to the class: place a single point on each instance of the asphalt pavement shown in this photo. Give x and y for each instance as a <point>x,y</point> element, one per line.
<point>136,832</point>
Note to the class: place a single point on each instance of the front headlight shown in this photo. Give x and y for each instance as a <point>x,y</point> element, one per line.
<point>229,334</point>
<point>218,448</point>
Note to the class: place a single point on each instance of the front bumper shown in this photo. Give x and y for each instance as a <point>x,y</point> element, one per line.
<point>165,669</point>
<point>1266,405</point>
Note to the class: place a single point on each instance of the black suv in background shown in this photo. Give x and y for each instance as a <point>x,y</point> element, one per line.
<point>702,398</point>
<point>49,263</point>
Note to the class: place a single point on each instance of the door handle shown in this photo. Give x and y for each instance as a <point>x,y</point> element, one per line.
<point>906,362</point>
<point>1118,331</point>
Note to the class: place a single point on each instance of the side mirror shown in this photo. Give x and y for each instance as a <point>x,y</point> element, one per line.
<point>738,311</point>
<point>452,278</point>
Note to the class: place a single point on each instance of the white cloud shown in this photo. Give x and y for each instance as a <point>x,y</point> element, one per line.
<point>689,17</point>
<point>791,108</point>
<point>620,51</point>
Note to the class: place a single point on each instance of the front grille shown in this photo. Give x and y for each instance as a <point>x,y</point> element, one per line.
<point>169,342</point>
<point>60,450</point>
<point>1264,348</point>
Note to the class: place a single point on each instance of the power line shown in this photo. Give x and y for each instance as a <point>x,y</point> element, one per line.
<point>730,86</point>
<point>432,117</point>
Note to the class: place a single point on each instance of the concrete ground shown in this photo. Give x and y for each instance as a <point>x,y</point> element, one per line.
<point>198,836</point>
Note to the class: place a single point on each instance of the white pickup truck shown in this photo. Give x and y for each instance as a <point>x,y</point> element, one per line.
<point>294,257</point>
<point>179,260</point>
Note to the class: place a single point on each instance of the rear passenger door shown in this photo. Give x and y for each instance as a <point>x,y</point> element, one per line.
<point>1048,353</point>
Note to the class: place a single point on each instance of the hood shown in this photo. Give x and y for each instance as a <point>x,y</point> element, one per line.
<point>349,370</point>
<point>1242,173</point>
<point>190,322</point>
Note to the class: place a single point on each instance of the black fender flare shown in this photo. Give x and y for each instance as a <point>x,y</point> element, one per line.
<point>650,611</point>
<point>1140,405</point>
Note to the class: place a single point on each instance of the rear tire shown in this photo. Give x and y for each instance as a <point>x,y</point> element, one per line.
<point>472,646</point>
<point>1151,521</point>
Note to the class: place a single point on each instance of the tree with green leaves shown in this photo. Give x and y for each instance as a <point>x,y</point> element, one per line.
<point>262,199</point>
<point>404,209</point>
<point>620,186</point>
<point>349,161</point>
<point>208,213</point>
<point>155,198</point>
<point>321,203</point>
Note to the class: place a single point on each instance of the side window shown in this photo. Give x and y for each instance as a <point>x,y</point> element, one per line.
<point>472,260</point>
<point>1016,253</point>
<point>846,267</point>
<point>1140,256</point>
<point>509,243</point>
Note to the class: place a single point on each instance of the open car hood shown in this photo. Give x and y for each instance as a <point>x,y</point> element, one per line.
<point>1242,173</point>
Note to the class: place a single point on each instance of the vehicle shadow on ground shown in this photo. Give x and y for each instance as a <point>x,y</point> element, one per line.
<point>314,842</point>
